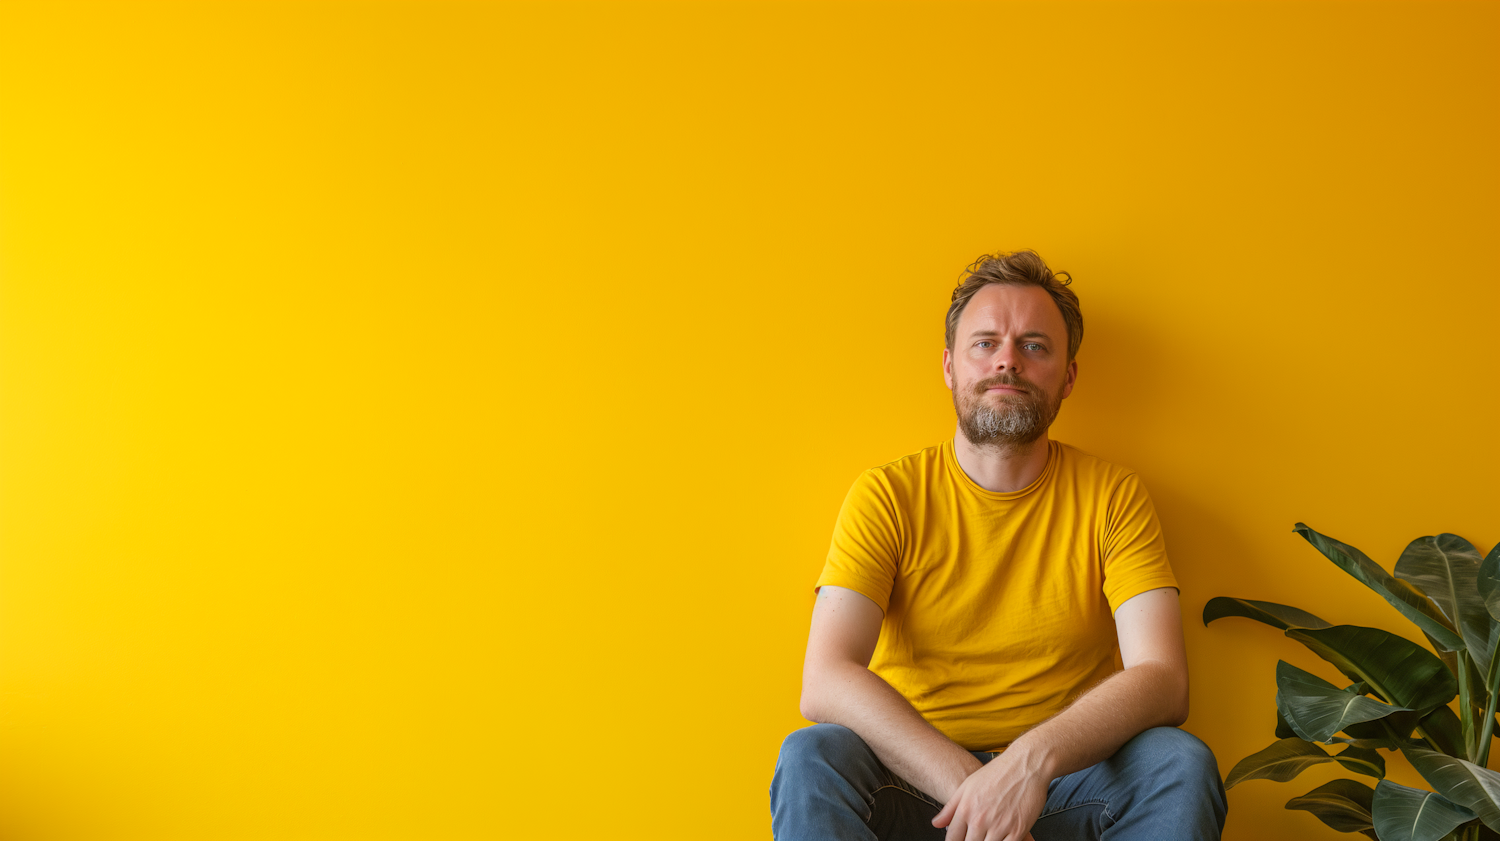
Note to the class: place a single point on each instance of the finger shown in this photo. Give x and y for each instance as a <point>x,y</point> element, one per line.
<point>957,829</point>
<point>1000,832</point>
<point>946,815</point>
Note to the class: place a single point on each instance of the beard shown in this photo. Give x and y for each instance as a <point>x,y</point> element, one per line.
<point>1017,420</point>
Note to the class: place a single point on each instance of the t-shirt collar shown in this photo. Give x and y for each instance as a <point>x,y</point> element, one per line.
<point>950,459</point>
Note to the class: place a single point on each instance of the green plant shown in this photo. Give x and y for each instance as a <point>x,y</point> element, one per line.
<point>1399,699</point>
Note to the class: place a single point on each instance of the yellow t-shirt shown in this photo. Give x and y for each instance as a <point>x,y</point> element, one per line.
<point>998,606</point>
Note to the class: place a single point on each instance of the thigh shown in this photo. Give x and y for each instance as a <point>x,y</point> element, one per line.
<point>828,784</point>
<point>1164,783</point>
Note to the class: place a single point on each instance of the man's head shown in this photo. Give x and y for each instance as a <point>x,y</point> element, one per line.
<point>1013,330</point>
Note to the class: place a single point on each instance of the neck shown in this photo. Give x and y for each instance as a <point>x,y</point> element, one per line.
<point>1001,468</point>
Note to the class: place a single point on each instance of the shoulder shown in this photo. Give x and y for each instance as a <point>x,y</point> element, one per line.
<point>1092,472</point>
<point>896,484</point>
<point>910,471</point>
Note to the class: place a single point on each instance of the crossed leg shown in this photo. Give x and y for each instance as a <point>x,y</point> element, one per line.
<point>1164,783</point>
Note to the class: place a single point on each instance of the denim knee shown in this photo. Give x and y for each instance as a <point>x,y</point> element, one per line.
<point>819,747</point>
<point>824,785</point>
<point>1171,753</point>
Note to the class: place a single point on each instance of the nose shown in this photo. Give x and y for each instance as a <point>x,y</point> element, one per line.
<point>1006,359</point>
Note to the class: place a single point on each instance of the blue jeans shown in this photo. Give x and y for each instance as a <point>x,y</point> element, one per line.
<point>1163,785</point>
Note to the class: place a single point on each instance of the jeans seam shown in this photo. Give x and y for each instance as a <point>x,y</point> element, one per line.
<point>1103,803</point>
<point>870,807</point>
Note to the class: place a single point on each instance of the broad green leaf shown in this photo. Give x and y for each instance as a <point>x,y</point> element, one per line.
<point>1476,789</point>
<point>1400,671</point>
<point>1362,760</point>
<point>1283,730</point>
<point>1282,761</point>
<point>1374,734</point>
<point>1344,805</point>
<point>1442,726</point>
<point>1489,582</point>
<point>1449,658</point>
<point>1412,604</point>
<point>1316,709</point>
<point>1278,616</point>
<point>1411,814</point>
<point>1446,569</point>
<point>1370,744</point>
<point>1485,722</point>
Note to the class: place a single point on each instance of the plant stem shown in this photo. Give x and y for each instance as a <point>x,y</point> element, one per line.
<point>1488,731</point>
<point>1466,705</point>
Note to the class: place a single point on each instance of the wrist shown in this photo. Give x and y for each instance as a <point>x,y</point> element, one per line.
<point>1036,755</point>
<point>966,766</point>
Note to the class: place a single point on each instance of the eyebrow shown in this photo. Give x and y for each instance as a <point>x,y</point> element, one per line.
<point>1030,334</point>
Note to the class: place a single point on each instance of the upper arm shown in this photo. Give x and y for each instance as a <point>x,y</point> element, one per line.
<point>845,628</point>
<point>1149,627</point>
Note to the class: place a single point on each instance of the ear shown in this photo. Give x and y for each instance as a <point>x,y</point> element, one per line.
<point>1071,378</point>
<point>948,368</point>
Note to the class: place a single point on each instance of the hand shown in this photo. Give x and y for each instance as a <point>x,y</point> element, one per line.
<point>999,802</point>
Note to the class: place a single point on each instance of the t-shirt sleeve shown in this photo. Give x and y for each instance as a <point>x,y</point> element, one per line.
<point>866,548</point>
<point>1135,553</point>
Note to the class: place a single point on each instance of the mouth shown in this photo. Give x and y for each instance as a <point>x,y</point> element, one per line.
<point>1004,388</point>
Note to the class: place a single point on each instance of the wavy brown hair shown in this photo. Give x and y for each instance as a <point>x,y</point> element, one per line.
<point>1018,268</point>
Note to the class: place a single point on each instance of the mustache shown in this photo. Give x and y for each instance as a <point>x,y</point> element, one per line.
<point>1012,380</point>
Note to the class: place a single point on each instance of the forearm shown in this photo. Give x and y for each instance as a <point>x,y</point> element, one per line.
<point>1092,728</point>
<point>857,698</point>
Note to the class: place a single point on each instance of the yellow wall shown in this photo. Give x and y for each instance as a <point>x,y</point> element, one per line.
<point>426,421</point>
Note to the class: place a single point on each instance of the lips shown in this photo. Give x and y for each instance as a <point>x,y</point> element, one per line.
<point>1002,386</point>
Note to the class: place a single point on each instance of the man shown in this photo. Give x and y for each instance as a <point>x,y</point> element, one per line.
<point>962,659</point>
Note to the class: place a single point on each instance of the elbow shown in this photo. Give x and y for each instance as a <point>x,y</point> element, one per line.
<point>1179,715</point>
<point>1167,690</point>
<point>826,688</point>
<point>808,710</point>
<point>809,704</point>
<point>1177,709</point>
<point>819,692</point>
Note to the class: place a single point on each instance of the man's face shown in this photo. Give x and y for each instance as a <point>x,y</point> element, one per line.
<point>1008,368</point>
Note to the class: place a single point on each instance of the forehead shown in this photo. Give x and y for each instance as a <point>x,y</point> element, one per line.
<point>1012,309</point>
